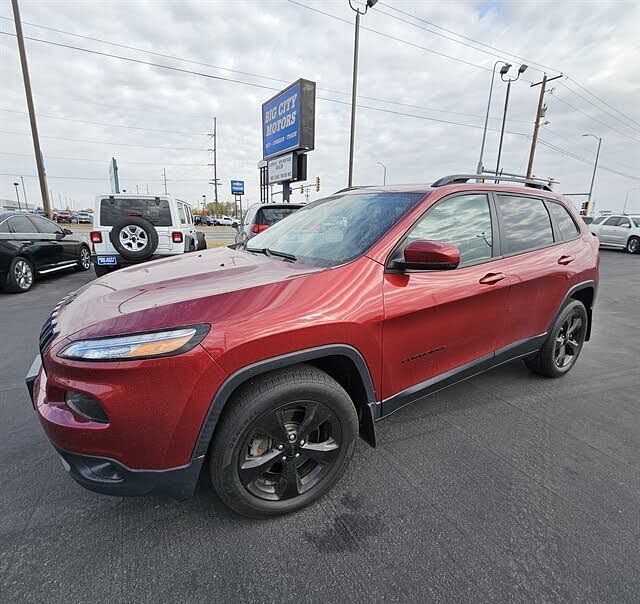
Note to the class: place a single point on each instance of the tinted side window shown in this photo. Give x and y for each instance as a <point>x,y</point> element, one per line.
<point>4,227</point>
<point>45,226</point>
<point>598,220</point>
<point>525,223</point>
<point>613,221</point>
<point>465,221</point>
<point>624,222</point>
<point>21,224</point>
<point>183,219</point>
<point>566,225</point>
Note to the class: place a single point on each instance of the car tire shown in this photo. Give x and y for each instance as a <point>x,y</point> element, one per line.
<point>301,422</point>
<point>127,234</point>
<point>563,345</point>
<point>101,271</point>
<point>84,262</point>
<point>20,276</point>
<point>633,245</point>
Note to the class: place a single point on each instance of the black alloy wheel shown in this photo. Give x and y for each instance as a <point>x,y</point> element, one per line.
<point>569,341</point>
<point>284,439</point>
<point>563,345</point>
<point>289,450</point>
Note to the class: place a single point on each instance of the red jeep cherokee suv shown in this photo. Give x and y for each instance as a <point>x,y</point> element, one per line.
<point>266,362</point>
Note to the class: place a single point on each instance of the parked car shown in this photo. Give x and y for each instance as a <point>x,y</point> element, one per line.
<point>31,245</point>
<point>62,216</point>
<point>129,229</point>
<point>587,219</point>
<point>84,217</point>
<point>40,213</point>
<point>260,216</point>
<point>225,221</point>
<point>265,363</point>
<point>618,231</point>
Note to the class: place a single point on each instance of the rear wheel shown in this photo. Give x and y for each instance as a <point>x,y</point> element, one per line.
<point>285,439</point>
<point>20,276</point>
<point>84,262</point>
<point>633,245</point>
<point>562,347</point>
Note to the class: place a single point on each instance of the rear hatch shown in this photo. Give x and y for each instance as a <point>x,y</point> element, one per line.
<point>154,209</point>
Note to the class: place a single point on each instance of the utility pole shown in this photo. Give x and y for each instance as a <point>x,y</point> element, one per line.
<point>595,165</point>
<point>164,174</point>
<point>215,160</point>
<point>32,112</point>
<point>147,189</point>
<point>539,115</point>
<point>15,184</point>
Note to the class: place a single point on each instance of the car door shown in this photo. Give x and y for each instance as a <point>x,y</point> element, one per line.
<point>607,232</point>
<point>67,246</point>
<point>39,247</point>
<point>441,320</point>
<point>620,231</point>
<point>539,265</point>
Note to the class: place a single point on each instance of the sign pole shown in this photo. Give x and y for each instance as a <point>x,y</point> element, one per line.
<point>286,191</point>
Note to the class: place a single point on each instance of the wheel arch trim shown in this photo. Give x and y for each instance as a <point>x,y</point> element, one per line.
<point>583,285</point>
<point>228,387</point>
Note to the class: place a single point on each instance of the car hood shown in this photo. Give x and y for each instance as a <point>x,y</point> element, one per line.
<point>174,291</point>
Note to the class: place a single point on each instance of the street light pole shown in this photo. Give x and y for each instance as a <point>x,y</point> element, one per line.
<point>480,167</point>
<point>16,184</point>
<point>354,82</point>
<point>384,174</point>
<point>503,72</point>
<point>595,165</point>
<point>624,208</point>
<point>24,194</point>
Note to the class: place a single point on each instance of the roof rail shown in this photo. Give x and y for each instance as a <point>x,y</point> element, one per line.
<point>535,183</point>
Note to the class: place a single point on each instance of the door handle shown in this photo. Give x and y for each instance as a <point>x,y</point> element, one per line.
<point>565,260</point>
<point>491,278</point>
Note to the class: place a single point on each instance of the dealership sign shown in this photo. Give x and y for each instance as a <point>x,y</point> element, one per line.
<point>237,187</point>
<point>281,169</point>
<point>288,120</point>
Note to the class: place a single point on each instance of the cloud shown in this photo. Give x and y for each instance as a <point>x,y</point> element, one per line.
<point>593,42</point>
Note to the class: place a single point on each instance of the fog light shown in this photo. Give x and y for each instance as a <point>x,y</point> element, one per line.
<point>85,406</point>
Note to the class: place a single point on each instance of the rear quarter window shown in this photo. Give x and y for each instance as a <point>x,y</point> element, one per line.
<point>156,211</point>
<point>272,215</point>
<point>565,223</point>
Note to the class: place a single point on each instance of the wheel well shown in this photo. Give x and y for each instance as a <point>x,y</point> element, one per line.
<point>586,296</point>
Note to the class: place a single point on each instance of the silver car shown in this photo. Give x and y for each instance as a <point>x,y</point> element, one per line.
<point>261,216</point>
<point>618,231</point>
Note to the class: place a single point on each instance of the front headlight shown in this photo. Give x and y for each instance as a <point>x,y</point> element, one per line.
<point>138,346</point>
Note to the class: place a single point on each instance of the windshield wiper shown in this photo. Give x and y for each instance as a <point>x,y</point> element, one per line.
<point>270,253</point>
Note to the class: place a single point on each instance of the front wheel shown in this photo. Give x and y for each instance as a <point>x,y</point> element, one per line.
<point>633,245</point>
<point>562,347</point>
<point>284,440</point>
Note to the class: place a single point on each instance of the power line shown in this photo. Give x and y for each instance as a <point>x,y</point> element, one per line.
<point>86,159</point>
<point>68,119</point>
<point>105,178</point>
<point>375,31</point>
<point>528,61</point>
<point>80,140</point>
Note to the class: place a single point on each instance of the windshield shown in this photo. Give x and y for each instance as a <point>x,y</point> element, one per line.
<point>156,211</point>
<point>334,230</point>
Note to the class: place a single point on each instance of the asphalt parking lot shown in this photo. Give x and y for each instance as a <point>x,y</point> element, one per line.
<point>507,487</point>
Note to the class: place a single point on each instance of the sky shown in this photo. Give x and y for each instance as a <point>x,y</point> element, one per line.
<point>422,92</point>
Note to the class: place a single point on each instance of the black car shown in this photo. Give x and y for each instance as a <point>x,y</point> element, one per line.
<point>31,245</point>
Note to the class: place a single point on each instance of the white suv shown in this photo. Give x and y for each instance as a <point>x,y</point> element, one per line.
<point>128,229</point>
<point>620,231</point>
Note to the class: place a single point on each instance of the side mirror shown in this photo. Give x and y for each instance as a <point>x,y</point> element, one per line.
<point>67,231</point>
<point>424,255</point>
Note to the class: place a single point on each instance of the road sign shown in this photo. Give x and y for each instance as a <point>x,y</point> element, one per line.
<point>237,187</point>
<point>288,120</point>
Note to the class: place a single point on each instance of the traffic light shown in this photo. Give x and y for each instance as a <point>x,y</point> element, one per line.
<point>317,183</point>
<point>584,208</point>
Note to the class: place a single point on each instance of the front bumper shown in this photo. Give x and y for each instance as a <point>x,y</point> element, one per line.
<point>154,420</point>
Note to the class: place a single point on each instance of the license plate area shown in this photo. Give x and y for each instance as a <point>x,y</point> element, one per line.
<point>107,260</point>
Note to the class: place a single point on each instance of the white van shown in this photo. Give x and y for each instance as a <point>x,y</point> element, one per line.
<point>128,229</point>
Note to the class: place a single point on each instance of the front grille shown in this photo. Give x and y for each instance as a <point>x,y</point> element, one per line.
<point>49,331</point>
